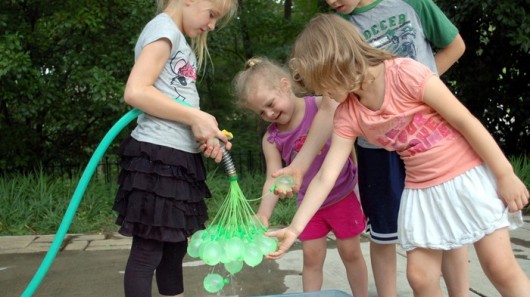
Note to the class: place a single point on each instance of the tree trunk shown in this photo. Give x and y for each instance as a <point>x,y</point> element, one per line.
<point>287,9</point>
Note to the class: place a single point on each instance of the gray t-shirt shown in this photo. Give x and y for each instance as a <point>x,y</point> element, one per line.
<point>176,81</point>
<point>407,28</point>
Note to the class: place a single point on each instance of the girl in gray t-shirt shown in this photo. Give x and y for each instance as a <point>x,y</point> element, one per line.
<point>160,201</point>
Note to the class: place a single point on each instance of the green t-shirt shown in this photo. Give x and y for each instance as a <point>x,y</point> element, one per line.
<point>407,28</point>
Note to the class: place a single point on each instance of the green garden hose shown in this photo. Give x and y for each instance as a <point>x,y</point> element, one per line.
<point>81,188</point>
<point>76,199</point>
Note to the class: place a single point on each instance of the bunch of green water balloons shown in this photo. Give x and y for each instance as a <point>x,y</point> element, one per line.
<point>233,238</point>
<point>216,245</point>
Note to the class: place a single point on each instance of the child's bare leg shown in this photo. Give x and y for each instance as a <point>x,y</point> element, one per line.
<point>383,259</point>
<point>423,272</point>
<point>455,271</point>
<point>314,255</point>
<point>500,266</point>
<point>351,254</point>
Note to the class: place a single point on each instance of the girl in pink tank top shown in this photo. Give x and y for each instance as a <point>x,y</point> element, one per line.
<point>265,88</point>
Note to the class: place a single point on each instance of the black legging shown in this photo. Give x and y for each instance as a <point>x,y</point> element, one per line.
<point>148,256</point>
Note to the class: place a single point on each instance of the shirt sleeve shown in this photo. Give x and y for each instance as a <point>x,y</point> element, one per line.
<point>160,28</point>
<point>438,29</point>
<point>410,79</point>
<point>344,120</point>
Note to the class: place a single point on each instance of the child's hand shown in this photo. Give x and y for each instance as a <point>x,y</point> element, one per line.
<point>296,174</point>
<point>286,238</point>
<point>283,186</point>
<point>513,192</point>
<point>212,149</point>
<point>284,194</point>
<point>204,127</point>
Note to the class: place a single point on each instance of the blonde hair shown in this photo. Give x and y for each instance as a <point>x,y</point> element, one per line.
<point>161,5</point>
<point>330,53</point>
<point>199,43</point>
<point>257,70</point>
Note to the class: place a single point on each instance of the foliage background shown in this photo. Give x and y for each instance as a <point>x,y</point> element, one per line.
<point>493,76</point>
<point>63,66</point>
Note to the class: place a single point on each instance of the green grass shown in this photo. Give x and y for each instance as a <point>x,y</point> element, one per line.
<point>36,203</point>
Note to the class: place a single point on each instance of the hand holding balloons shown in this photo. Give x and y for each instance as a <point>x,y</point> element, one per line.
<point>287,237</point>
<point>283,186</point>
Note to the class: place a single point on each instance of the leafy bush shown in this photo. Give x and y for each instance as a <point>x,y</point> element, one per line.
<point>36,203</point>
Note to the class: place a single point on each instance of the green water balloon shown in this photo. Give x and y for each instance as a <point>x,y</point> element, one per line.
<point>211,253</point>
<point>266,244</point>
<point>253,255</point>
<point>214,283</point>
<point>194,247</point>
<point>198,234</point>
<point>234,248</point>
<point>234,266</point>
<point>212,232</point>
<point>284,183</point>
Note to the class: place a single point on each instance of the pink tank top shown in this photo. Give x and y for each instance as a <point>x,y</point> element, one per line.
<point>289,143</point>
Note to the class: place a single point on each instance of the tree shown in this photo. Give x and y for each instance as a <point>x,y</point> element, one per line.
<point>492,78</point>
<point>64,64</point>
<point>63,69</point>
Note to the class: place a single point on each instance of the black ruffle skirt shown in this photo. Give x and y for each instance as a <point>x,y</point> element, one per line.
<point>161,192</point>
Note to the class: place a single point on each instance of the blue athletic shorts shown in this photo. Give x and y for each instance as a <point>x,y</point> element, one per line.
<point>381,182</point>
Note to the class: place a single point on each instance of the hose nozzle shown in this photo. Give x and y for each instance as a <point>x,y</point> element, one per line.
<point>227,162</point>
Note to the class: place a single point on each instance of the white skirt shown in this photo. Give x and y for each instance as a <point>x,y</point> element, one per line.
<point>455,213</point>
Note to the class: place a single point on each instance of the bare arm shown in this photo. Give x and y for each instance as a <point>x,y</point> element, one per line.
<point>446,57</point>
<point>510,188</point>
<point>273,162</point>
<point>317,192</point>
<point>141,93</point>
<point>319,133</point>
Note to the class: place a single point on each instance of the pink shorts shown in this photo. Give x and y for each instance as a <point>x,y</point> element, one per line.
<point>345,218</point>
